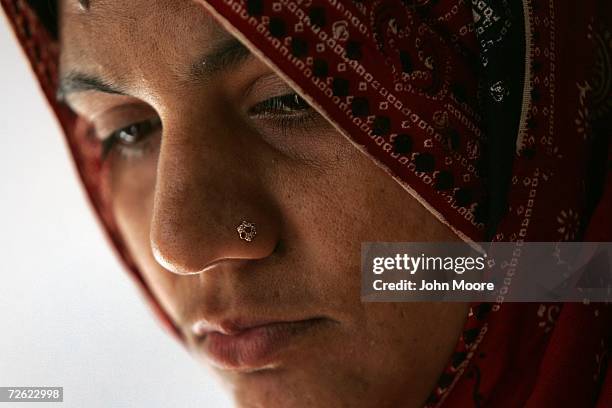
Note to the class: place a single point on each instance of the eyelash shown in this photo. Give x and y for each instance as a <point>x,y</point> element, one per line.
<point>289,111</point>
<point>128,149</point>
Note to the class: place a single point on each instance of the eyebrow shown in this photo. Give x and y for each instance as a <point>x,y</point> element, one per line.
<point>227,55</point>
<point>80,82</point>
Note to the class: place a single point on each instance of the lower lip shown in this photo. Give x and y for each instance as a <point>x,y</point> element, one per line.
<point>253,348</point>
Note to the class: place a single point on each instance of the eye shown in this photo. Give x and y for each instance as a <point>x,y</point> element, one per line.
<point>288,104</point>
<point>130,138</point>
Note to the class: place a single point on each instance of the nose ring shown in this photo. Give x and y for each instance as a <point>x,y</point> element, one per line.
<point>246,230</point>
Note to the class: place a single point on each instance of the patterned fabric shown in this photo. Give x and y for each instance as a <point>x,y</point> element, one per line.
<point>495,115</point>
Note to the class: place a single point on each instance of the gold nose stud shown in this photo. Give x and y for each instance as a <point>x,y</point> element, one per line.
<point>246,230</point>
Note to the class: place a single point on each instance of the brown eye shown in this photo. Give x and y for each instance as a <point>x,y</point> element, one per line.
<point>292,103</point>
<point>129,136</point>
<point>134,133</point>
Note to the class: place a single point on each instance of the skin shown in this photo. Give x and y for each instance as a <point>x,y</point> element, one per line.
<point>178,195</point>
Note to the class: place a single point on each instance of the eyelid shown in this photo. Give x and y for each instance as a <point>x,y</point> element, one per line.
<point>266,87</point>
<point>120,117</point>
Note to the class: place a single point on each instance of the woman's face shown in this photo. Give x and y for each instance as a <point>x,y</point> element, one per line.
<point>199,135</point>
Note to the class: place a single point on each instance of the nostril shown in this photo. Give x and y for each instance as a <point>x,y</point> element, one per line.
<point>173,265</point>
<point>184,269</point>
<point>182,263</point>
<point>179,262</point>
<point>163,261</point>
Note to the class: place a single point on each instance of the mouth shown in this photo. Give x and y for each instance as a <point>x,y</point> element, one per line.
<point>252,347</point>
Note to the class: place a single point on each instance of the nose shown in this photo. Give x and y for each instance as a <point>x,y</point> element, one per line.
<point>210,206</point>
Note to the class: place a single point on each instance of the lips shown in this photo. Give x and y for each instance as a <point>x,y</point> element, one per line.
<point>235,346</point>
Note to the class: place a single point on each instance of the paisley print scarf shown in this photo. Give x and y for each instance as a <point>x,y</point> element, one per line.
<point>494,114</point>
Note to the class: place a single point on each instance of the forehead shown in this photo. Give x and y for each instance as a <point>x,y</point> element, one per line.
<point>120,40</point>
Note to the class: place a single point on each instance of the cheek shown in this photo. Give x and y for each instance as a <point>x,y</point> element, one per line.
<point>351,202</point>
<point>132,188</point>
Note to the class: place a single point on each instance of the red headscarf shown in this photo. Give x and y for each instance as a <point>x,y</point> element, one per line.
<point>418,86</point>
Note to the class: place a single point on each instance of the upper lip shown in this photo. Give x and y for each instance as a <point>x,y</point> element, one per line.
<point>231,327</point>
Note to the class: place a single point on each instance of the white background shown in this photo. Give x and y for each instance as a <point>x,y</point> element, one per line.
<point>69,315</point>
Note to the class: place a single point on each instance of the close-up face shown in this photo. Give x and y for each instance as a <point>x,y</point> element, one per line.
<point>199,135</point>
